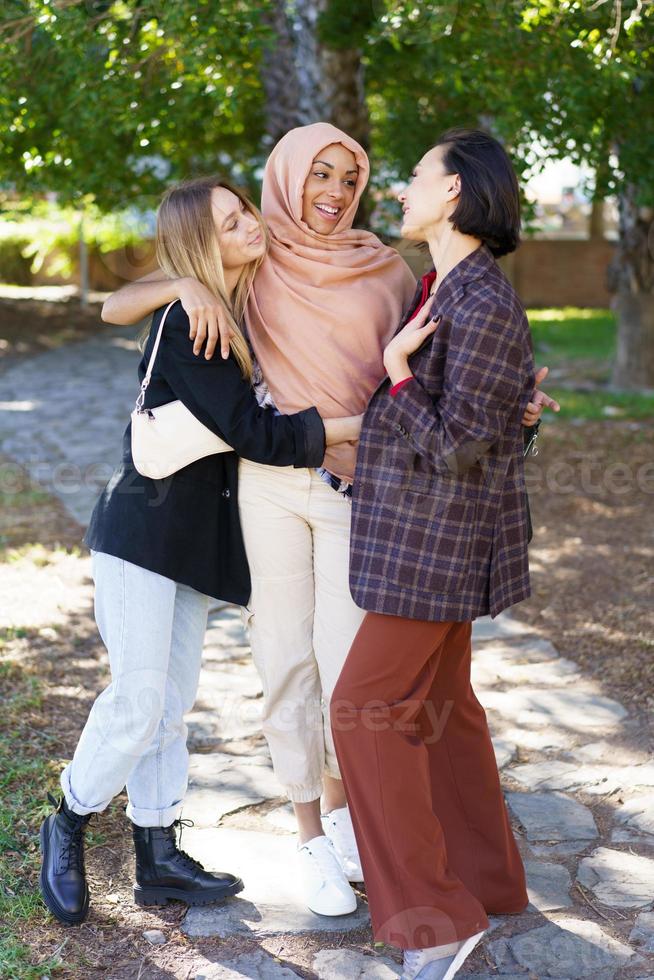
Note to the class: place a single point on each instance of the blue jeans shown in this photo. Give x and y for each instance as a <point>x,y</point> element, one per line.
<point>135,735</point>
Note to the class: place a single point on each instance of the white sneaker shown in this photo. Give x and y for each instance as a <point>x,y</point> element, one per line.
<point>430,964</point>
<point>338,827</point>
<point>326,889</point>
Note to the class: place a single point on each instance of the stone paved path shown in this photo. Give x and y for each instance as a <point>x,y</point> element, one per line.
<point>580,790</point>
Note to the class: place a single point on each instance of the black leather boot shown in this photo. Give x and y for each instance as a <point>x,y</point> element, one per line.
<point>63,877</point>
<point>163,872</point>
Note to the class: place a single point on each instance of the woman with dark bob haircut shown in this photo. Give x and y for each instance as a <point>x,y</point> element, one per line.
<point>439,537</point>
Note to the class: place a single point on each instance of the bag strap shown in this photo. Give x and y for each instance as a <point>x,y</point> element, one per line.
<point>148,373</point>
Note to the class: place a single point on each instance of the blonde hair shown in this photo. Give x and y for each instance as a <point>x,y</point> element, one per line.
<point>187,245</point>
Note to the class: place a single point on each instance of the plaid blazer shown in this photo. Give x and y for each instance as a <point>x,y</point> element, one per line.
<point>439,518</point>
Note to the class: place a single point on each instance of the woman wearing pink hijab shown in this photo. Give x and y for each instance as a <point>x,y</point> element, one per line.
<point>325,303</point>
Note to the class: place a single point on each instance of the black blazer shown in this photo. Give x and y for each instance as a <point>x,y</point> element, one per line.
<point>187,526</point>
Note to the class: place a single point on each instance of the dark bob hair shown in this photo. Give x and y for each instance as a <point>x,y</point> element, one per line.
<point>489,204</point>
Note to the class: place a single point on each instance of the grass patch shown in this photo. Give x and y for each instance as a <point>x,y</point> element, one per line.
<point>569,334</point>
<point>579,346</point>
<point>602,404</point>
<point>25,778</point>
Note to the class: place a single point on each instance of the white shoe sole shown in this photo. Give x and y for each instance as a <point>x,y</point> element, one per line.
<point>429,971</point>
<point>346,909</point>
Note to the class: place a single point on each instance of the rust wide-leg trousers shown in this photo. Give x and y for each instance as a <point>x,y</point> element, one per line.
<point>414,749</point>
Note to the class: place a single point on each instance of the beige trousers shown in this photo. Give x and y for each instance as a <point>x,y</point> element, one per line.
<point>301,617</point>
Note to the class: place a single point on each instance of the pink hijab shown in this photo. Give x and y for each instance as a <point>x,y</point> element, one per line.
<point>323,306</point>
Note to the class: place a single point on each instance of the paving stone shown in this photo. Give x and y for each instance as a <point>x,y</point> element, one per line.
<point>283,818</point>
<point>491,666</point>
<point>642,934</point>
<point>618,878</point>
<point>348,964</point>
<point>552,817</point>
<point>272,901</point>
<point>595,780</point>
<point>70,441</point>
<point>226,629</point>
<point>638,813</point>
<point>569,949</point>
<point>570,848</point>
<point>257,965</point>
<point>505,751</point>
<point>486,628</point>
<point>622,835</point>
<point>548,885</point>
<point>610,753</point>
<point>552,774</point>
<point>229,704</point>
<point>568,709</point>
<point>235,679</point>
<point>538,739</point>
<point>221,783</point>
<point>516,650</point>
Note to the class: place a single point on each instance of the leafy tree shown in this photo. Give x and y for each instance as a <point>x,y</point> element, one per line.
<point>576,76</point>
<point>115,99</point>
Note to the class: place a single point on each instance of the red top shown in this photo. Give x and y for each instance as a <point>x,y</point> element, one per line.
<point>427,282</point>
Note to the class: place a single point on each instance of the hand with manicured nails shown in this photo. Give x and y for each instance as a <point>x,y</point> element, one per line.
<point>207,317</point>
<point>406,342</point>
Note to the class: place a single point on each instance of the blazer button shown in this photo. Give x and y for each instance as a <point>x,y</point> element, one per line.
<point>227,492</point>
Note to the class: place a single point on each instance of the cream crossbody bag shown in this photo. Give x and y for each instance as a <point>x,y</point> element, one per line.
<point>167,438</point>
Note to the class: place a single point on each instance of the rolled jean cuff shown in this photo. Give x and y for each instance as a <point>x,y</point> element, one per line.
<point>71,800</point>
<point>154,818</point>
<point>298,795</point>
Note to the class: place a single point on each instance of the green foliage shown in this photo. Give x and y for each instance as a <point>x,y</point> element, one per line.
<point>37,229</point>
<point>15,266</point>
<point>600,405</point>
<point>115,99</point>
<point>567,333</point>
<point>580,344</point>
<point>344,24</point>
<point>573,74</point>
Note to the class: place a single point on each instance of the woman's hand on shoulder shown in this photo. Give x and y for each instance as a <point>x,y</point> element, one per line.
<point>208,320</point>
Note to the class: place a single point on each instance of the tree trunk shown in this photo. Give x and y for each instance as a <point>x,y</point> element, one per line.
<point>631,277</point>
<point>305,80</point>
<point>596,220</point>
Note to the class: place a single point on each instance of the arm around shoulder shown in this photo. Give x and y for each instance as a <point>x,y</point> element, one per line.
<point>218,394</point>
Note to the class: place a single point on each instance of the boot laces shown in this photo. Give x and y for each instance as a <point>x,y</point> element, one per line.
<point>175,848</point>
<point>71,854</point>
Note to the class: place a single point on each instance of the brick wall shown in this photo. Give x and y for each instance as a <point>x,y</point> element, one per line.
<point>545,272</point>
<point>549,272</point>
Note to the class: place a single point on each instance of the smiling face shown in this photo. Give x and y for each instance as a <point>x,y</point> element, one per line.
<point>239,232</point>
<point>430,198</point>
<point>329,188</point>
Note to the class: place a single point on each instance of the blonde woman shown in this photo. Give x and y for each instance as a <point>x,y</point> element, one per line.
<point>324,304</point>
<point>160,548</point>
